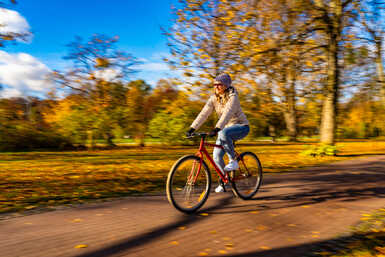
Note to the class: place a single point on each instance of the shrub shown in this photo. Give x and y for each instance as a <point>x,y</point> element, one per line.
<point>18,137</point>
<point>320,150</point>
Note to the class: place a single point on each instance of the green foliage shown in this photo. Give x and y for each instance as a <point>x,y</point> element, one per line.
<point>171,123</point>
<point>169,129</point>
<point>320,150</point>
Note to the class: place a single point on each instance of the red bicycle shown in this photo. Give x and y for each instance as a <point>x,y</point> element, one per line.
<point>189,180</point>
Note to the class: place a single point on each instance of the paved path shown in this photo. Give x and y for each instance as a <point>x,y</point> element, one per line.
<point>292,214</point>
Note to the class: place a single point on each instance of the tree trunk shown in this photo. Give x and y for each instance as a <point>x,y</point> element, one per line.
<point>109,137</point>
<point>91,143</point>
<point>329,108</point>
<point>328,120</point>
<point>272,132</point>
<point>380,71</point>
<point>290,113</point>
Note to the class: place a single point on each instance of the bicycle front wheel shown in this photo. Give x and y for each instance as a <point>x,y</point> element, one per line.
<point>247,179</point>
<point>188,184</point>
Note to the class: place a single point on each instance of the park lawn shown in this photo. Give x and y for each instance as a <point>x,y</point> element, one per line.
<point>31,180</point>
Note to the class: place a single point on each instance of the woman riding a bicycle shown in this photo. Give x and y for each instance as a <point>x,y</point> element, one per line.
<point>232,124</point>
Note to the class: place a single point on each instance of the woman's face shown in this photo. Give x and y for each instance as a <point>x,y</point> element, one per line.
<point>219,88</point>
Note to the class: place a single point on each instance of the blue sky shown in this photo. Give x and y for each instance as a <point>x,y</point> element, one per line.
<point>56,23</point>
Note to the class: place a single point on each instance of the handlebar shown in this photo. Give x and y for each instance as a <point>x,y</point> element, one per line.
<point>194,134</point>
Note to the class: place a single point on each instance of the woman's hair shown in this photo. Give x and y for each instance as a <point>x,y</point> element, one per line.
<point>225,97</point>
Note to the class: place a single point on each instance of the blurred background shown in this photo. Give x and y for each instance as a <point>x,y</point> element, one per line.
<point>76,75</point>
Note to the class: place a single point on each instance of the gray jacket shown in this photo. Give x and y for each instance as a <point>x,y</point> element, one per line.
<point>229,113</point>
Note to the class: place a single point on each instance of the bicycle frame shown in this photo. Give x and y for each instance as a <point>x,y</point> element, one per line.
<point>203,152</point>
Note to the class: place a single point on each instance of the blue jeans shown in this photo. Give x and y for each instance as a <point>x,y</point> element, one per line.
<point>226,137</point>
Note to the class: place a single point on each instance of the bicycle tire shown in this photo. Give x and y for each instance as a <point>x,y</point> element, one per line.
<point>249,167</point>
<point>174,194</point>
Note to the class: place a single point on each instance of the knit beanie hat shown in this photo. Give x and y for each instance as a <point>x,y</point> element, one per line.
<point>224,79</point>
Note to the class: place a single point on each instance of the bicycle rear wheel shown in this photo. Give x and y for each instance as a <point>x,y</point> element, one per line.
<point>188,184</point>
<point>247,179</point>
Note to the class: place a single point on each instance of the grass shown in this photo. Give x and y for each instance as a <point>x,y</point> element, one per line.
<point>30,180</point>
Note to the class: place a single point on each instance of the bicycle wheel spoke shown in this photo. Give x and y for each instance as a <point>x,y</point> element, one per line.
<point>196,183</point>
<point>247,179</point>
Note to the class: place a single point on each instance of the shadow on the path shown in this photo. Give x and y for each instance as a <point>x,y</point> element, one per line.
<point>142,239</point>
<point>344,183</point>
<point>315,249</point>
<point>348,182</point>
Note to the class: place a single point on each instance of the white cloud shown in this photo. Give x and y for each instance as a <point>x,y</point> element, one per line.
<point>12,21</point>
<point>153,66</point>
<point>23,75</point>
<point>160,56</point>
<point>9,92</point>
<point>107,74</point>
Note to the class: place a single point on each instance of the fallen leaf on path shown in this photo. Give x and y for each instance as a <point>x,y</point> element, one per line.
<point>201,196</point>
<point>265,248</point>
<point>213,232</point>
<point>222,251</point>
<point>77,220</point>
<point>261,227</point>
<point>253,212</point>
<point>203,254</point>
<point>181,228</point>
<point>174,243</point>
<point>305,206</point>
<point>226,238</point>
<point>204,214</point>
<point>291,225</point>
<point>81,246</point>
<point>248,230</point>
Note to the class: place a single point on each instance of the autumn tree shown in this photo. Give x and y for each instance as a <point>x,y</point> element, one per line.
<point>98,75</point>
<point>248,39</point>
<point>289,56</point>
<point>330,19</point>
<point>23,127</point>
<point>138,109</point>
<point>205,38</point>
<point>361,116</point>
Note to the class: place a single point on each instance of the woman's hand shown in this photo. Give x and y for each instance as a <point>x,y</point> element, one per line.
<point>190,132</point>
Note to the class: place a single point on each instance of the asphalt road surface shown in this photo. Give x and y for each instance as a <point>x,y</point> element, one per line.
<point>292,215</point>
